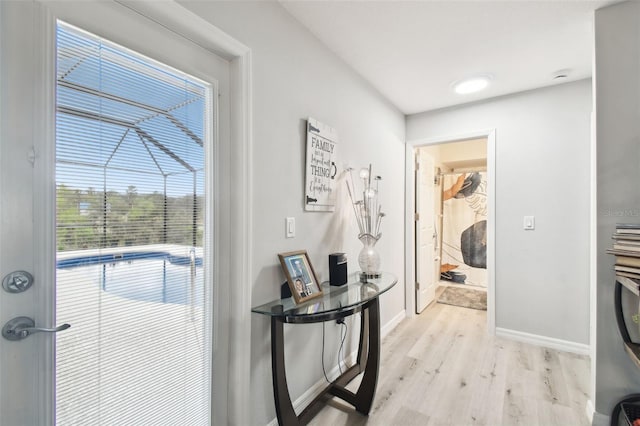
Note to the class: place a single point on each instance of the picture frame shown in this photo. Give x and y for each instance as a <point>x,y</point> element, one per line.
<point>301,276</point>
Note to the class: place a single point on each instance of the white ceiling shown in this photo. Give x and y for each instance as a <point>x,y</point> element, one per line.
<point>411,52</point>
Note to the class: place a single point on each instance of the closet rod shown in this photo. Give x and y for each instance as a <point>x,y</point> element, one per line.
<point>461,172</point>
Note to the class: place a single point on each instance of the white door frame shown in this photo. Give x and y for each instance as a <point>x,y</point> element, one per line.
<point>410,243</point>
<point>237,252</point>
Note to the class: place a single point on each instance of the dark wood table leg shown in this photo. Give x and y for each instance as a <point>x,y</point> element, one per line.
<point>284,409</point>
<point>367,389</point>
<point>363,354</point>
<point>368,360</point>
<point>363,346</point>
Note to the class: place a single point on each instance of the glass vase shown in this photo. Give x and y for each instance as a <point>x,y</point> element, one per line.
<point>369,258</point>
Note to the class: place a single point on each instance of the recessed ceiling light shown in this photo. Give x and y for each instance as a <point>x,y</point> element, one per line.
<point>471,85</point>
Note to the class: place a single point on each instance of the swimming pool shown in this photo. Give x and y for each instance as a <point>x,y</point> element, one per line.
<point>145,276</point>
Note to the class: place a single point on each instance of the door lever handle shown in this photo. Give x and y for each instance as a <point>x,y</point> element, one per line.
<point>21,327</point>
<point>30,330</point>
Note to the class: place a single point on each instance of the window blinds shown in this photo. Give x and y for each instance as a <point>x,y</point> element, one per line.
<point>131,238</point>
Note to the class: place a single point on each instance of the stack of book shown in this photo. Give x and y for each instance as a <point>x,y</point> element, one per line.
<point>626,248</point>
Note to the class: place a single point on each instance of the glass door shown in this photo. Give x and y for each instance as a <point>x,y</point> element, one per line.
<point>132,275</point>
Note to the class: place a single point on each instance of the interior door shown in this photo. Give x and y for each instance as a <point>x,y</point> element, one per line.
<point>32,203</point>
<point>427,260</point>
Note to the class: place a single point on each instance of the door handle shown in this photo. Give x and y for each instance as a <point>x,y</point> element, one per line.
<point>20,328</point>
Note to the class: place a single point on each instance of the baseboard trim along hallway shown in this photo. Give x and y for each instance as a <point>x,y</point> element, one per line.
<point>546,342</point>
<point>391,325</point>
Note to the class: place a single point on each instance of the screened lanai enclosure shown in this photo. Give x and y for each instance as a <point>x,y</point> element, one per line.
<point>129,149</point>
<point>132,276</point>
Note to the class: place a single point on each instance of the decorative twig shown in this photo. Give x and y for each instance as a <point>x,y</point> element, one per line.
<point>367,210</point>
<point>353,203</point>
<point>380,216</point>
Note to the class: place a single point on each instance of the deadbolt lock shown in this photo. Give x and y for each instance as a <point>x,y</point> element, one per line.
<point>17,282</point>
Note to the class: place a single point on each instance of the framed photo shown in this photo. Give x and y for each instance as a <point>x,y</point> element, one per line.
<point>301,277</point>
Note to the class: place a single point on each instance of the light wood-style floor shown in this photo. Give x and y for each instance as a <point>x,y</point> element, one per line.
<point>441,368</point>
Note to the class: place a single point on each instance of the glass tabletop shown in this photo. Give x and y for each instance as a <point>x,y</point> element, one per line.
<point>333,302</point>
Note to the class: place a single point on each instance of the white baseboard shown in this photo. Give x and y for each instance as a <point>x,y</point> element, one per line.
<point>306,398</point>
<point>595,418</point>
<point>547,342</point>
<point>590,411</point>
<point>388,327</point>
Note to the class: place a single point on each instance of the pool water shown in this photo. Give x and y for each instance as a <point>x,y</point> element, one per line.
<point>149,277</point>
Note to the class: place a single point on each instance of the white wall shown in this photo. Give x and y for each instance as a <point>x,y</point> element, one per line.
<point>294,77</point>
<point>617,99</point>
<point>542,169</point>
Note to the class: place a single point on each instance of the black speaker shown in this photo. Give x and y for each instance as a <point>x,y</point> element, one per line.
<point>337,269</point>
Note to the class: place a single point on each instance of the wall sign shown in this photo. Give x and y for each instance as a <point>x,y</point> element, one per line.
<point>321,171</point>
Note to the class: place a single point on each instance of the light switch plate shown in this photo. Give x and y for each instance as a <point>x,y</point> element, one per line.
<point>529,223</point>
<point>290,227</point>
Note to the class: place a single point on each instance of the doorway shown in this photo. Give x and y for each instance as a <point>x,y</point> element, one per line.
<point>459,212</point>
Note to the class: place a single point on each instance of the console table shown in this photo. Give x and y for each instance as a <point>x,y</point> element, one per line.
<point>335,303</point>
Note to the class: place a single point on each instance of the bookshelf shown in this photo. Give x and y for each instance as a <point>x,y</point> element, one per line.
<point>626,249</point>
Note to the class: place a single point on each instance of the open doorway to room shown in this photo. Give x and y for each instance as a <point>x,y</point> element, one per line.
<point>450,240</point>
<point>456,253</point>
